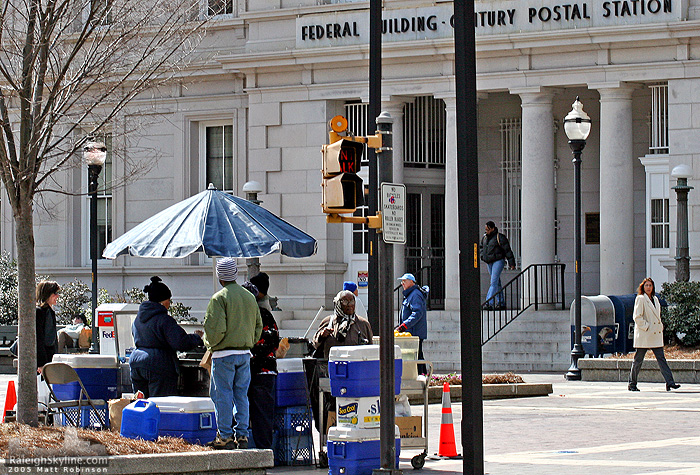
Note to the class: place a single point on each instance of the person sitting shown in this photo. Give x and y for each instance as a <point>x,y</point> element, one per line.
<point>157,337</point>
<point>68,336</point>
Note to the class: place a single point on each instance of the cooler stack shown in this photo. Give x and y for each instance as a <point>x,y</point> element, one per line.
<point>353,445</point>
<point>291,439</point>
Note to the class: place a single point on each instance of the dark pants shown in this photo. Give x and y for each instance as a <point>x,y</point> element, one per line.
<point>421,367</point>
<point>153,384</point>
<point>660,359</point>
<point>261,396</point>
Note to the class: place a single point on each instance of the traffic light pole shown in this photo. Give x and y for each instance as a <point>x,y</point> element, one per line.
<point>385,257</point>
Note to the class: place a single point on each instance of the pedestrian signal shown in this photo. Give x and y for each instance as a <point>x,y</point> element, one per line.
<point>342,188</point>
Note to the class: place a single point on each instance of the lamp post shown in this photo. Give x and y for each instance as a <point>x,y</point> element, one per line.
<point>95,154</point>
<point>251,190</point>
<point>577,126</point>
<point>681,173</point>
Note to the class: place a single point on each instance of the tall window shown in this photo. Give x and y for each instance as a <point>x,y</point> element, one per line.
<point>511,166</point>
<point>99,9</point>
<point>360,232</point>
<point>424,122</point>
<point>219,7</point>
<point>658,123</point>
<point>357,113</point>
<point>104,198</point>
<point>218,146</point>
<point>660,223</point>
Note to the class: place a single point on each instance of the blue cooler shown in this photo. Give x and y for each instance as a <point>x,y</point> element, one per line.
<point>353,451</point>
<point>291,383</point>
<point>354,370</point>
<point>190,418</point>
<point>99,374</point>
<point>140,420</point>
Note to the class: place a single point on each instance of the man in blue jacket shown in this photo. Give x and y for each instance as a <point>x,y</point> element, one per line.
<point>413,313</point>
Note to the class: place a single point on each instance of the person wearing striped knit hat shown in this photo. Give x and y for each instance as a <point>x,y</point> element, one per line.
<point>232,326</point>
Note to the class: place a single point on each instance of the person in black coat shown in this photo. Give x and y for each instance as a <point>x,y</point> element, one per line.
<point>263,373</point>
<point>46,336</point>
<point>158,338</point>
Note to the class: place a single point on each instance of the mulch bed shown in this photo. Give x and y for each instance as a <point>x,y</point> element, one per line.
<point>28,441</point>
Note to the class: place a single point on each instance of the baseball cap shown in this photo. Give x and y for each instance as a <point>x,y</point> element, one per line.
<point>407,277</point>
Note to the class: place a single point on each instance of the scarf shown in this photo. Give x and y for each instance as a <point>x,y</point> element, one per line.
<point>343,322</point>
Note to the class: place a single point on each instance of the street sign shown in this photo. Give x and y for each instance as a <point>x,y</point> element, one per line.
<point>393,199</point>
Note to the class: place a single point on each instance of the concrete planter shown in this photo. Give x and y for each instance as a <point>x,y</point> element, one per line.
<point>490,391</point>
<point>612,369</point>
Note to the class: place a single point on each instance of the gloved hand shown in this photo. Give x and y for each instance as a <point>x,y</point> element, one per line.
<point>402,328</point>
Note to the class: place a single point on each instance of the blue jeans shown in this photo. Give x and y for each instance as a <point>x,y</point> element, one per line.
<point>230,378</point>
<point>495,269</point>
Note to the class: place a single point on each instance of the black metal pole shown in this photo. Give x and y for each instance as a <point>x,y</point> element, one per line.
<point>387,447</point>
<point>468,196</point>
<point>93,175</point>
<point>574,373</point>
<point>682,247</point>
<point>375,108</point>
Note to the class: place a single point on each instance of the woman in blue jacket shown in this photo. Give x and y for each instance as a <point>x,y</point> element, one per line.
<point>158,338</point>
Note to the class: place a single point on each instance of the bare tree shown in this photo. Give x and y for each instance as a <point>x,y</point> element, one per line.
<point>68,68</point>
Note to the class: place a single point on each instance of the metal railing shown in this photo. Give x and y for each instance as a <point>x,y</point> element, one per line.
<point>537,284</point>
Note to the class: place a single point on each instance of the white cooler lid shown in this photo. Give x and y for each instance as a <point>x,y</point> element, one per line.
<point>353,434</point>
<point>183,404</point>
<point>290,365</point>
<point>86,361</point>
<point>359,353</point>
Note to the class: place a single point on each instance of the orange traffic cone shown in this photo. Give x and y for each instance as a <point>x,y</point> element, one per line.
<point>10,399</point>
<point>448,447</point>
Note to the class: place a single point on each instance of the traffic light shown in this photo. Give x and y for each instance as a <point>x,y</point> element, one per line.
<point>342,188</point>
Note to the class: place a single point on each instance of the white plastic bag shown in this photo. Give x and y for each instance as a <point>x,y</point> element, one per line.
<point>402,408</point>
<point>42,393</point>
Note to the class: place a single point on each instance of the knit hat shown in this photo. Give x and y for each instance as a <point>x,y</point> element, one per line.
<point>226,269</point>
<point>157,291</point>
<point>250,288</point>
<point>262,282</point>
<point>349,285</point>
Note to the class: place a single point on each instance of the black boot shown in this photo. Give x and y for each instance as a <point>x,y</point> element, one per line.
<point>670,386</point>
<point>632,387</point>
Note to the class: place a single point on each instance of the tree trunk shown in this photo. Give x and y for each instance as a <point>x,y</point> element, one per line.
<point>27,368</point>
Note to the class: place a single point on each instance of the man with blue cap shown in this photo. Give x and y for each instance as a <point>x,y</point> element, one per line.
<point>413,313</point>
<point>359,306</point>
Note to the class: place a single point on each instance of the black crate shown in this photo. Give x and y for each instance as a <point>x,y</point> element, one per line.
<point>292,421</point>
<point>293,449</point>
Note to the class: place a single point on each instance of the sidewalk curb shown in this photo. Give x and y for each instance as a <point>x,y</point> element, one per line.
<point>243,462</point>
<point>490,391</point>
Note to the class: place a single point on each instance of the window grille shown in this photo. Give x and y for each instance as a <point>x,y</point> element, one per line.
<point>357,113</point>
<point>660,228</point>
<point>102,12</point>
<point>658,133</point>
<point>219,7</point>
<point>511,175</point>
<point>360,232</point>
<point>219,157</point>
<point>424,133</point>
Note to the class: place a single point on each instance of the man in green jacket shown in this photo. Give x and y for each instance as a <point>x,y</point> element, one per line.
<point>232,325</point>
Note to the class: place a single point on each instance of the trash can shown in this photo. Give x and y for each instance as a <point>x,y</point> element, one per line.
<point>597,325</point>
<point>623,305</point>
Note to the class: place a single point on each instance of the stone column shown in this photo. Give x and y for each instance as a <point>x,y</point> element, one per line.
<point>451,207</point>
<point>537,202</point>
<point>616,188</point>
<point>395,109</point>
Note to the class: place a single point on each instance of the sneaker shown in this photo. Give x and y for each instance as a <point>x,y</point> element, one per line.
<point>242,442</point>
<point>224,444</point>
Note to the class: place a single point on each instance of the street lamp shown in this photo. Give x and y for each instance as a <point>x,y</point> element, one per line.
<point>95,154</point>
<point>251,190</point>
<point>681,173</point>
<point>577,126</point>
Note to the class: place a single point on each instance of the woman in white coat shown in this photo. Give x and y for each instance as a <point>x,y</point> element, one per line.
<point>649,334</point>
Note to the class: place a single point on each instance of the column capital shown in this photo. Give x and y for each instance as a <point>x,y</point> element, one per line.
<point>451,101</point>
<point>394,104</point>
<point>535,95</point>
<point>614,90</point>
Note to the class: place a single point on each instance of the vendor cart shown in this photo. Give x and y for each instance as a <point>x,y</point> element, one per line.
<point>418,386</point>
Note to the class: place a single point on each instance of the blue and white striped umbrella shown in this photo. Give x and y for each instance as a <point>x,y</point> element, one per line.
<point>217,224</point>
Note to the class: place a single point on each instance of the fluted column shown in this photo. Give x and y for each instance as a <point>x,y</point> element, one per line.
<point>395,109</point>
<point>537,201</point>
<point>616,189</point>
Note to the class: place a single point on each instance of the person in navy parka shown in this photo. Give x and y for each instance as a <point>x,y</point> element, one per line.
<point>414,313</point>
<point>158,337</point>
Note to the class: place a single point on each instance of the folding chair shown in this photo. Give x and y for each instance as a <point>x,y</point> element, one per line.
<point>61,373</point>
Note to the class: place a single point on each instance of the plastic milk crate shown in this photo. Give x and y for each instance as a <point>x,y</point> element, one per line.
<point>290,389</point>
<point>354,370</point>
<point>191,418</point>
<point>88,418</point>
<point>292,441</point>
<point>98,373</point>
<point>353,451</point>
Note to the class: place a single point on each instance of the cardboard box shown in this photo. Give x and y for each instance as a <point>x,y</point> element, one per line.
<point>410,426</point>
